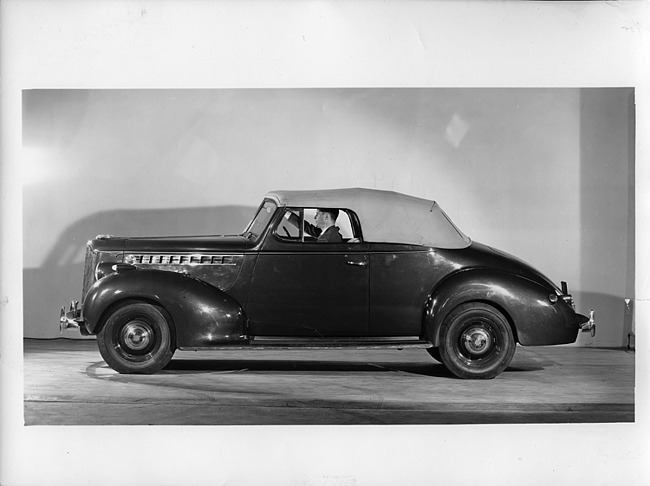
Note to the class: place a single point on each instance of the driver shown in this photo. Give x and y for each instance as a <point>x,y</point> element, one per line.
<point>324,229</point>
<point>327,232</point>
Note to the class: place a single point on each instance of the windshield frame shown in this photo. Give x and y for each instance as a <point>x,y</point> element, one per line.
<point>260,222</point>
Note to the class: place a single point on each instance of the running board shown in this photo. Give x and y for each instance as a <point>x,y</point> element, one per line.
<point>324,343</point>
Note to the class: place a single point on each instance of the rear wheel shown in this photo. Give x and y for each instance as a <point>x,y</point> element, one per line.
<point>476,341</point>
<point>136,339</point>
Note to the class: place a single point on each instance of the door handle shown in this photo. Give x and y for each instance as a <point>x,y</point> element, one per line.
<point>358,263</point>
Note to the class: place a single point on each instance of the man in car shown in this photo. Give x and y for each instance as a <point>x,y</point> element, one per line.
<point>325,219</point>
<point>324,231</point>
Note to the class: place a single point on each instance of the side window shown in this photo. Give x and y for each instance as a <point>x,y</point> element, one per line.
<point>289,228</point>
<point>345,225</point>
<point>342,222</point>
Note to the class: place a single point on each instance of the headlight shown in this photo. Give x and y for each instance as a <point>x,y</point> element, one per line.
<point>102,269</point>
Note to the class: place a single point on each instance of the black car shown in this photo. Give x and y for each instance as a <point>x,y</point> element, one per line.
<point>397,274</point>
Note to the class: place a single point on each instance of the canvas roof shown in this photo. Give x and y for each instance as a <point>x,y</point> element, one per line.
<point>385,216</point>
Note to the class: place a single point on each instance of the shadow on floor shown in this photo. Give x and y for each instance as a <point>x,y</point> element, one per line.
<point>193,366</point>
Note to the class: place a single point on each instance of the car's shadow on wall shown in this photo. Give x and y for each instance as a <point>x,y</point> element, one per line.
<point>50,284</point>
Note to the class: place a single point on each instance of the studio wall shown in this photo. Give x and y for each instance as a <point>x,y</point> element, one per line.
<point>546,174</point>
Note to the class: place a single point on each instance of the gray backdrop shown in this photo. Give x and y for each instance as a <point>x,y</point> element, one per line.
<point>546,174</point>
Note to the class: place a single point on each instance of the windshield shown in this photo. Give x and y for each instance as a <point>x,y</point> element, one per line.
<point>261,220</point>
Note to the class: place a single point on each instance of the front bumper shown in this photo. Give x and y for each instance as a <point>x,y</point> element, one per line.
<point>72,319</point>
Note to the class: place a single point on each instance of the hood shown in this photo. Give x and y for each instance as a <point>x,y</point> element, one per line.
<point>188,243</point>
<point>107,243</point>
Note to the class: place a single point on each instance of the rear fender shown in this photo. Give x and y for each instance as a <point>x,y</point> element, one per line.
<point>534,319</point>
<point>202,314</point>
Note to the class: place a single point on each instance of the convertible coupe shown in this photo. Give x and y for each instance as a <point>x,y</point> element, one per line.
<point>398,274</point>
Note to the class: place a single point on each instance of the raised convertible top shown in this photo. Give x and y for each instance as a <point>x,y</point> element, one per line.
<point>385,216</point>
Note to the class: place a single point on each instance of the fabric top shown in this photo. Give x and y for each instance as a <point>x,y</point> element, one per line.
<point>385,216</point>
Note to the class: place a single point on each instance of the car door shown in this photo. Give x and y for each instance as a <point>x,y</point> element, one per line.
<point>302,288</point>
<point>401,279</point>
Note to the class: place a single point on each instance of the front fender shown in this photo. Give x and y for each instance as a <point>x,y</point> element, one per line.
<point>202,314</point>
<point>535,320</point>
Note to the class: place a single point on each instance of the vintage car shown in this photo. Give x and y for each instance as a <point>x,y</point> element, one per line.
<point>402,275</point>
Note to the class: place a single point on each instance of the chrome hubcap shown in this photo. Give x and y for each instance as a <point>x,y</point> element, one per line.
<point>137,335</point>
<point>477,341</point>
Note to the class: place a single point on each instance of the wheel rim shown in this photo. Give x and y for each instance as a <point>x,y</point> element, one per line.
<point>137,339</point>
<point>478,342</point>
<point>136,335</point>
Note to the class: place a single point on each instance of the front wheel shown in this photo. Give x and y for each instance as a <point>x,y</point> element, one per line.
<point>476,341</point>
<point>136,339</point>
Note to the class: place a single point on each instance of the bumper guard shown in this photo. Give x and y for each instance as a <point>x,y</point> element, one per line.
<point>71,319</point>
<point>588,324</point>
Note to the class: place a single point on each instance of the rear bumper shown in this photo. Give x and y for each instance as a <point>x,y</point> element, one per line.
<point>587,324</point>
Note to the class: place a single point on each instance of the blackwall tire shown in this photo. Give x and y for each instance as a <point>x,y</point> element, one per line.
<point>476,341</point>
<point>136,339</point>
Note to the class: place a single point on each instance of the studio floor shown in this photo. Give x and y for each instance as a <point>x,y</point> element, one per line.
<point>68,383</point>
